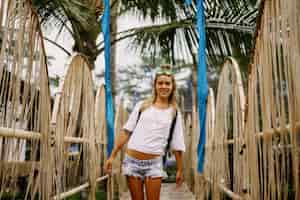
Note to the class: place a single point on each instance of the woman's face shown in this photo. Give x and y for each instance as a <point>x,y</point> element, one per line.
<point>163,86</point>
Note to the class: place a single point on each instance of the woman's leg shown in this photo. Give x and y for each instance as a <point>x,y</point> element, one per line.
<point>153,188</point>
<point>135,185</point>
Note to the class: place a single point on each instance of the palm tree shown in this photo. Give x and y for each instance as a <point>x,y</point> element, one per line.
<point>80,18</point>
<point>230,25</point>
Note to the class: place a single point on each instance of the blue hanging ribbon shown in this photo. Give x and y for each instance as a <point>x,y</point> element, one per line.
<point>108,94</point>
<point>188,2</point>
<point>202,87</point>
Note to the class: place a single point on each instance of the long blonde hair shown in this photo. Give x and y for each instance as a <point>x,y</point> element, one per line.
<point>172,98</point>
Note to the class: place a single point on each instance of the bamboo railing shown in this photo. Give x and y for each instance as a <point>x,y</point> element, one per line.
<point>58,156</point>
<point>24,101</point>
<point>252,149</point>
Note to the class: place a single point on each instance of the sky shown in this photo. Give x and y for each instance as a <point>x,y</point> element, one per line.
<point>125,55</point>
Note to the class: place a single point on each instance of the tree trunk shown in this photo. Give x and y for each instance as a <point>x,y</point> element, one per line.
<point>113,49</point>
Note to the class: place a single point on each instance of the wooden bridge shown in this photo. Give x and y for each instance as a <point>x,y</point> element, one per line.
<point>169,192</point>
<point>54,152</point>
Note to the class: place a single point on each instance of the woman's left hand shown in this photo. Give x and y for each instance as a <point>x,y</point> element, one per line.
<point>179,178</point>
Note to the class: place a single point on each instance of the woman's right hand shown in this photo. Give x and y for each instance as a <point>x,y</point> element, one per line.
<point>108,165</point>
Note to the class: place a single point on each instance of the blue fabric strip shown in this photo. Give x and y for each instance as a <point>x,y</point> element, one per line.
<point>108,94</point>
<point>202,87</point>
<point>188,2</point>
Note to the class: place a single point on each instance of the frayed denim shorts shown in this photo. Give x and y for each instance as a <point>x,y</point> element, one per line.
<point>142,168</point>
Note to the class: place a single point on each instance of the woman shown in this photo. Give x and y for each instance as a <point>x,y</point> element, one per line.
<point>146,132</point>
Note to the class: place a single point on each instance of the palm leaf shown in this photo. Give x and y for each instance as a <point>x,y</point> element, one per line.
<point>79,17</point>
<point>230,25</point>
<point>60,11</point>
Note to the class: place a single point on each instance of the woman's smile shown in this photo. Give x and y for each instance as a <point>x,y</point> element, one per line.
<point>164,86</point>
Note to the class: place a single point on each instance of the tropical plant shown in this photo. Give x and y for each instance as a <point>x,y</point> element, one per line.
<point>80,18</point>
<point>230,25</point>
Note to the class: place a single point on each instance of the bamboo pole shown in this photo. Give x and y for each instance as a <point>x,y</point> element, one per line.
<point>266,133</point>
<point>25,100</point>
<point>80,188</point>
<point>224,189</point>
<point>20,134</point>
<point>31,135</point>
<point>22,168</point>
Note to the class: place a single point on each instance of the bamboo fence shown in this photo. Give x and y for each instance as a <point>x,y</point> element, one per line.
<point>58,156</point>
<point>274,104</point>
<point>252,149</point>
<point>253,143</point>
<point>24,101</point>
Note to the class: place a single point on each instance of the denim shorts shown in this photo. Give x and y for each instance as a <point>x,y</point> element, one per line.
<point>142,168</point>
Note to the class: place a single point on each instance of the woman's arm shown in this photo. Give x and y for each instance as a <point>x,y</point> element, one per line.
<point>179,166</point>
<point>120,141</point>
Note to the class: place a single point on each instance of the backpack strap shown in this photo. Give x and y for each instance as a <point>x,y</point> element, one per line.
<point>138,118</point>
<point>170,138</point>
<point>171,131</point>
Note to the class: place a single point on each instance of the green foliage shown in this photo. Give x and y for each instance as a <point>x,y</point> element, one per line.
<point>100,195</point>
<point>78,17</point>
<point>154,9</point>
<point>77,11</point>
<point>12,195</point>
<point>54,80</point>
<point>230,25</point>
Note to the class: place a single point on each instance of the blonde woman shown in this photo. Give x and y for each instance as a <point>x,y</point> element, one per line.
<point>147,132</point>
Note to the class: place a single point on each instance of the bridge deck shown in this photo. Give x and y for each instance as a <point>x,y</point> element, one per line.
<point>169,192</point>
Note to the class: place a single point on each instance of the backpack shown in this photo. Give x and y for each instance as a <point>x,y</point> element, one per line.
<point>170,134</point>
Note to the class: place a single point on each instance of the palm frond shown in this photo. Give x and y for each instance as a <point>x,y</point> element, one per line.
<point>154,9</point>
<point>230,26</point>
<point>61,11</point>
